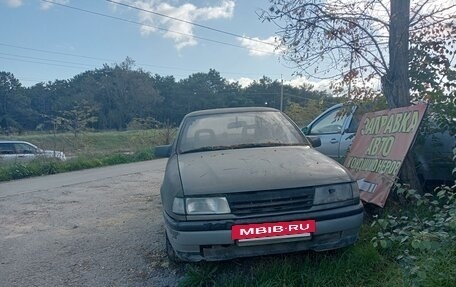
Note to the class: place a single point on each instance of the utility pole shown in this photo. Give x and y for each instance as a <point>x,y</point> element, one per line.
<point>281,93</point>
<point>351,66</point>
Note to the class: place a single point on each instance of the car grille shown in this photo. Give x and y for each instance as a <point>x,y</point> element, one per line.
<point>259,202</point>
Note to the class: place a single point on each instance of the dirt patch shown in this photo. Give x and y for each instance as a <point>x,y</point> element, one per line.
<point>104,232</point>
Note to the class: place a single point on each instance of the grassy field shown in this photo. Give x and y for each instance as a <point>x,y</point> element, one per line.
<point>95,143</point>
<point>87,150</point>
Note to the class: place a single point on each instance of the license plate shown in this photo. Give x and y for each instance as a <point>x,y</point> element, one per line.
<point>248,231</point>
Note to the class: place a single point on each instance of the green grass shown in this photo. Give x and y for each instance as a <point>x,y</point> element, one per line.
<point>94,143</point>
<point>440,272</point>
<point>87,150</point>
<point>358,265</point>
<point>48,166</point>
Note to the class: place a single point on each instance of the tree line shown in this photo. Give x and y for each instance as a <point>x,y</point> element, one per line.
<point>121,96</point>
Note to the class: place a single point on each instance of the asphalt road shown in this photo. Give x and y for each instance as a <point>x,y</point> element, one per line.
<point>97,227</point>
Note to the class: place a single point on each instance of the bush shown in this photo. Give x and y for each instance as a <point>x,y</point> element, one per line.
<point>423,237</point>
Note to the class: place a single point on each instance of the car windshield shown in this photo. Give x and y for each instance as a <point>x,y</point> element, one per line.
<point>238,130</point>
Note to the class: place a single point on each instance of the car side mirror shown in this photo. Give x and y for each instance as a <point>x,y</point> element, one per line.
<point>314,141</point>
<point>163,151</point>
<point>305,130</point>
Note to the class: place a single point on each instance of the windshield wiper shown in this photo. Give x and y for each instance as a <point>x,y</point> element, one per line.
<point>206,148</point>
<point>267,144</point>
<point>240,146</point>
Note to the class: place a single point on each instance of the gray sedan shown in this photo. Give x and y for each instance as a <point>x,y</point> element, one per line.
<point>245,182</point>
<point>21,151</point>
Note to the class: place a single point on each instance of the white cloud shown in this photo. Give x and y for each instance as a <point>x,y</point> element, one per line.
<point>48,5</point>
<point>322,85</point>
<point>244,82</point>
<point>225,10</point>
<point>325,85</point>
<point>43,5</point>
<point>187,12</point>
<point>261,47</point>
<point>13,3</point>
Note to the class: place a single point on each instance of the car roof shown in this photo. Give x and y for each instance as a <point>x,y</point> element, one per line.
<point>11,141</point>
<point>230,110</point>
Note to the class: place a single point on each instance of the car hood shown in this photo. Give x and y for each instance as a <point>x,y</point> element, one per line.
<point>239,170</point>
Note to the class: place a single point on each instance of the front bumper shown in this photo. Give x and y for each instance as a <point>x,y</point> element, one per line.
<point>211,240</point>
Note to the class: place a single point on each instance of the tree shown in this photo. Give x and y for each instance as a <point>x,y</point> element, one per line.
<point>79,117</point>
<point>9,87</point>
<point>48,100</point>
<point>359,42</point>
<point>433,74</point>
<point>121,92</point>
<point>264,92</point>
<point>203,91</point>
<point>16,113</point>
<point>302,115</point>
<point>168,108</point>
<point>395,81</point>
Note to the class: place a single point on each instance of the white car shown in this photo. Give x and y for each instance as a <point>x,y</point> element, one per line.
<point>21,151</point>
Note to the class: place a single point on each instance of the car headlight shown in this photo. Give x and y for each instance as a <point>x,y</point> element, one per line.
<point>335,193</point>
<point>201,205</point>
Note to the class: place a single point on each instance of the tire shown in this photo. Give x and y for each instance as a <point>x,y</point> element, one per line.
<point>170,251</point>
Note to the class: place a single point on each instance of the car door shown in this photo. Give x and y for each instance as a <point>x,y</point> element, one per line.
<point>25,152</point>
<point>7,152</point>
<point>331,128</point>
<point>348,134</point>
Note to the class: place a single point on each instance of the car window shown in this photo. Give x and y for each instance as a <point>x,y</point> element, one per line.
<point>22,148</point>
<point>6,148</point>
<point>238,129</point>
<point>354,123</point>
<point>330,123</point>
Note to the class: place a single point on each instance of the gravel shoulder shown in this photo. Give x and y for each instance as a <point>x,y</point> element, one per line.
<point>98,227</point>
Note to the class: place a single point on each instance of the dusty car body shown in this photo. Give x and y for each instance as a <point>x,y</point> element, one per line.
<point>21,151</point>
<point>245,182</point>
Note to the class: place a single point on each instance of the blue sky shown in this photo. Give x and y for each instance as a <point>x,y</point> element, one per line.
<point>40,41</point>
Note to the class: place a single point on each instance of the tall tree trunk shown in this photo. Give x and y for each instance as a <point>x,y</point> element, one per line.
<point>395,83</point>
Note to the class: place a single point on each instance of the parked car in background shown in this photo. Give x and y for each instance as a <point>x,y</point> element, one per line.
<point>245,181</point>
<point>337,129</point>
<point>21,151</point>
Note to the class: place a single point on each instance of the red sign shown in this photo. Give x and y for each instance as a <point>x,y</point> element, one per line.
<point>379,148</point>
<point>247,231</point>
